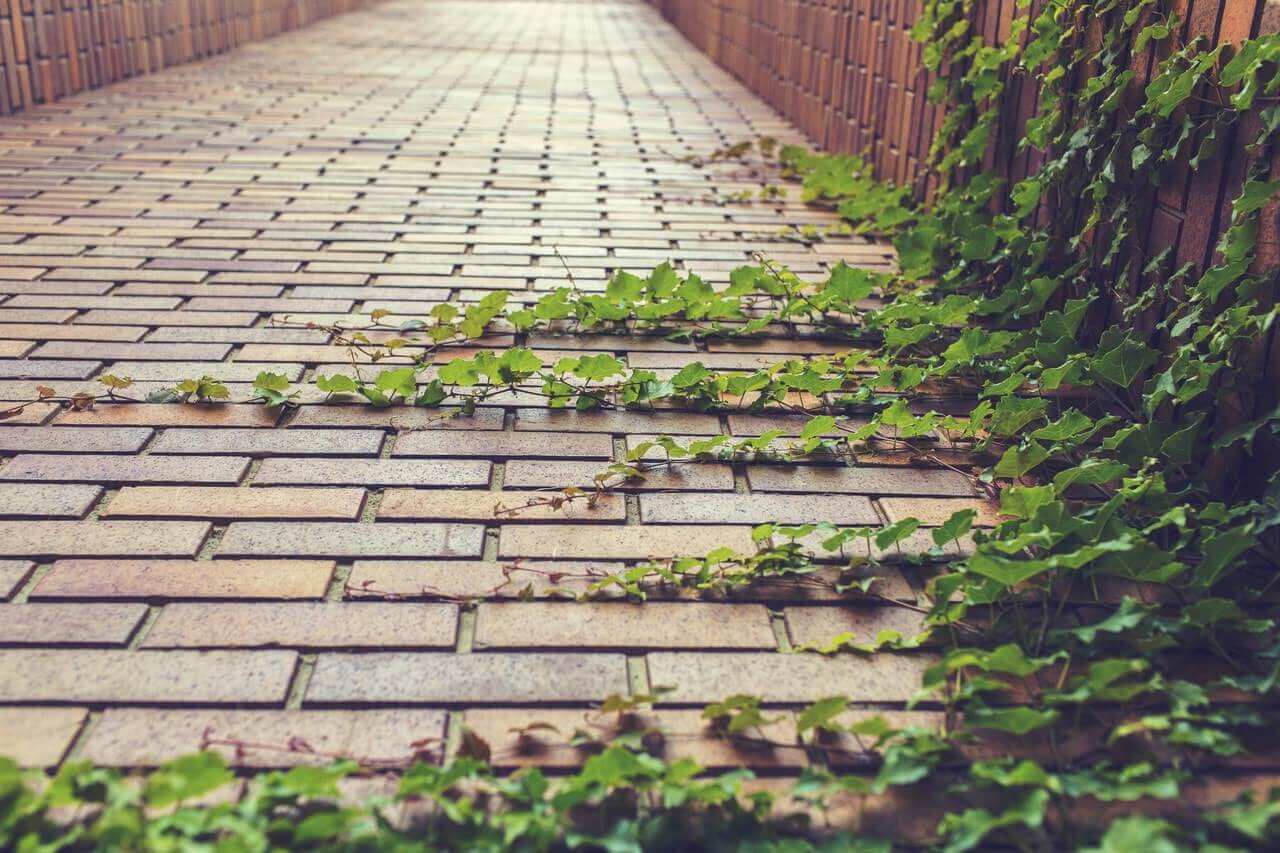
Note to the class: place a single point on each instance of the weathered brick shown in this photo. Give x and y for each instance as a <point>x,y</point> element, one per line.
<point>858,480</point>
<point>14,349</point>
<point>39,737</point>
<point>463,579</point>
<point>505,445</point>
<point>372,472</point>
<point>700,677</point>
<point>568,541</point>
<point>936,511</point>
<point>25,368</point>
<point>168,579</point>
<point>57,439</point>
<point>270,442</point>
<point>504,507</point>
<point>222,502</point>
<point>756,509</point>
<point>818,626</point>
<point>173,415</point>
<point>117,351</point>
<point>305,625</point>
<point>397,417</point>
<point>41,500</point>
<point>13,573</point>
<point>490,677</point>
<point>125,469</point>
<point>330,539</point>
<point>114,675</point>
<point>69,624</point>
<point>32,332</point>
<point>618,625</point>
<point>663,423</point>
<point>148,737</point>
<point>553,474</point>
<point>102,538</point>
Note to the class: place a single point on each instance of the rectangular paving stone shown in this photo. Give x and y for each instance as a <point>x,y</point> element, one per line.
<point>936,511</point>
<point>305,625</point>
<point>700,677</point>
<point>621,625</point>
<point>818,626</point>
<point>558,474</point>
<point>491,677</point>
<point>756,509</point>
<point>467,579</point>
<point>397,417</point>
<point>173,415</point>
<point>102,538</point>
<point>13,573</point>
<point>149,737</point>
<point>52,331</point>
<point>504,507</point>
<point>340,539</point>
<point>504,445</point>
<point>116,351</point>
<point>170,579</point>
<point>269,442</point>
<point>858,480</point>
<point>662,423</point>
<point>373,472</point>
<point>25,368</point>
<point>46,500</point>
<point>633,542</point>
<point>125,469</point>
<point>58,439</point>
<point>138,677</point>
<point>235,502</point>
<point>39,737</point>
<point>69,624</point>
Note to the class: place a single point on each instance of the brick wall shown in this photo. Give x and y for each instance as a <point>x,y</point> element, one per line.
<point>52,48</point>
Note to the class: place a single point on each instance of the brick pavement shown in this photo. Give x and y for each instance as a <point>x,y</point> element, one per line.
<point>172,569</point>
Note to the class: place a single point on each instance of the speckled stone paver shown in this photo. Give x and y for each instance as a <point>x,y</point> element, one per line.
<point>344,575</point>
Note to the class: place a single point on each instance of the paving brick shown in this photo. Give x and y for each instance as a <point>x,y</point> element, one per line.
<point>221,502</point>
<point>859,480</point>
<point>473,579</point>
<point>936,511</point>
<point>398,417</point>
<point>114,351</point>
<point>69,624</point>
<point>38,439</point>
<point>372,472</point>
<point>173,415</point>
<point>39,737</point>
<point>701,677</point>
<point>269,442</point>
<point>683,734</point>
<point>335,539</point>
<point>41,500</point>
<point>503,507</point>
<point>491,677</point>
<point>129,677</point>
<point>756,509</point>
<point>125,469</point>
<point>618,625</point>
<point>567,541</point>
<point>305,625</point>
<point>665,423</point>
<point>14,349</point>
<point>31,332</point>
<point>818,626</point>
<point>553,474</point>
<point>102,538</point>
<point>505,445</point>
<point>148,737</point>
<point>25,368</point>
<point>13,573</point>
<point>169,579</point>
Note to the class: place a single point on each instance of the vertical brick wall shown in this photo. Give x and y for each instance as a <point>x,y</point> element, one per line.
<point>52,48</point>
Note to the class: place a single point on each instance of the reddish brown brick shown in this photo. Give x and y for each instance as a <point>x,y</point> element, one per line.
<point>463,579</point>
<point>504,445</point>
<point>116,351</point>
<point>69,624</point>
<point>617,625</point>
<point>102,538</point>
<point>40,500</point>
<point>112,675</point>
<point>147,737</point>
<point>270,442</point>
<point>567,541</point>
<point>173,415</point>
<point>168,579</point>
<point>663,423</point>
<point>39,737</point>
<point>125,469</point>
<point>58,439</point>
<point>504,507</point>
<point>305,625</point>
<point>219,502</point>
<point>396,417</point>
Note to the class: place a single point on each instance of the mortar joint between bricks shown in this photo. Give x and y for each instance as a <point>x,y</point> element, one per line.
<point>82,736</point>
<point>778,623</point>
<point>465,641</point>
<point>498,476</point>
<point>100,504</point>
<point>300,682</point>
<point>372,503</point>
<point>337,590</point>
<point>489,552</point>
<point>251,472</point>
<point>388,444</point>
<point>210,546</point>
<point>140,633</point>
<point>23,593</point>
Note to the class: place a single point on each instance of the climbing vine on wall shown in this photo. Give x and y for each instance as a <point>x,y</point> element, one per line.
<point>1109,639</point>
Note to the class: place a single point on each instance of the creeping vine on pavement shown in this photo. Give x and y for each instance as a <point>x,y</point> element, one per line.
<point>1113,636</point>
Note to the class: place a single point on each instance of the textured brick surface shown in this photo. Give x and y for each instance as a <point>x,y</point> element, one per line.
<point>186,556</point>
<point>39,737</point>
